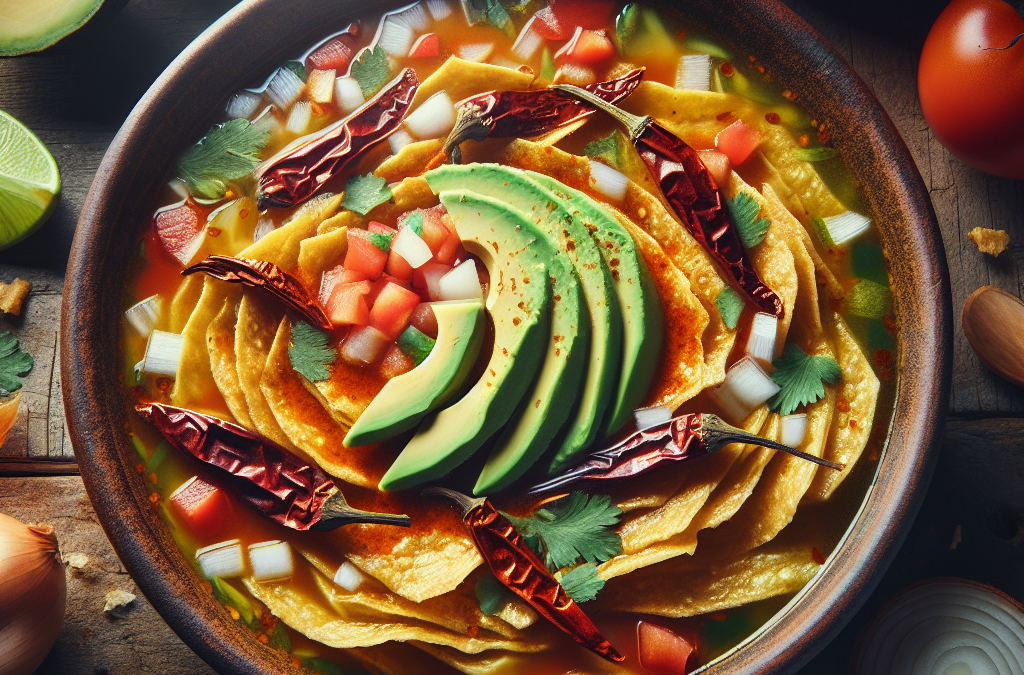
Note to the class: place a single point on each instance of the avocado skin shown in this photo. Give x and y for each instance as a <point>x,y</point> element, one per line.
<point>519,302</point>
<point>408,398</point>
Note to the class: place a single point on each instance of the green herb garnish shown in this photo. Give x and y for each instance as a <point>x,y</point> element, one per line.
<point>821,229</point>
<point>298,68</point>
<point>609,148</point>
<point>868,300</point>
<point>625,24</point>
<point>415,344</point>
<point>372,71</point>
<point>414,219</point>
<point>310,352</point>
<point>744,210</point>
<point>730,306</point>
<point>491,594</point>
<point>489,12</point>
<point>362,193</point>
<point>582,583</point>
<point>868,262</point>
<point>381,240</point>
<point>547,65</point>
<point>230,151</point>
<point>819,154</point>
<point>230,596</point>
<point>800,376</point>
<point>14,363</point>
<point>574,527</point>
<point>277,638</point>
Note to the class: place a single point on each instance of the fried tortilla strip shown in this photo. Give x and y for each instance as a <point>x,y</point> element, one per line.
<point>687,586</point>
<point>851,428</point>
<point>694,116</point>
<point>320,253</point>
<point>344,219</point>
<point>462,79</point>
<point>412,160</point>
<point>307,424</point>
<point>184,302</point>
<point>796,182</point>
<point>220,341</point>
<point>562,656</point>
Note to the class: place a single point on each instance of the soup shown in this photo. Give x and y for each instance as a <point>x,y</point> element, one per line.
<point>441,365</point>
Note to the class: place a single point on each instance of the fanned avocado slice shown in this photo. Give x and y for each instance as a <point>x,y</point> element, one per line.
<point>407,398</point>
<point>519,301</point>
<point>643,321</point>
<point>548,405</point>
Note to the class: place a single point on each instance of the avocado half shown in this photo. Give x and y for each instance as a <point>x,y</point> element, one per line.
<point>32,25</point>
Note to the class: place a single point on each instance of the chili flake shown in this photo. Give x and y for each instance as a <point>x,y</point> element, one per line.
<point>727,69</point>
<point>772,118</point>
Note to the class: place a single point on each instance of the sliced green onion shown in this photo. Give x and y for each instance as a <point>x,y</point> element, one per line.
<point>608,181</point>
<point>228,595</point>
<point>651,417</point>
<point>694,73</point>
<point>746,387</point>
<point>222,560</point>
<point>761,342</point>
<point>868,300</point>
<point>439,9</point>
<point>299,117</point>
<point>163,351</point>
<point>349,577</point>
<point>243,104</point>
<point>476,51</point>
<point>284,88</point>
<point>143,316</point>
<point>843,227</point>
<point>271,561</point>
<point>794,428</point>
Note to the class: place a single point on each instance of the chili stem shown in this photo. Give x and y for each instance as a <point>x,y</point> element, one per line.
<point>633,123</point>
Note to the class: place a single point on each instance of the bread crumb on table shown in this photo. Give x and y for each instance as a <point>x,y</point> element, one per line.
<point>12,295</point>
<point>989,241</point>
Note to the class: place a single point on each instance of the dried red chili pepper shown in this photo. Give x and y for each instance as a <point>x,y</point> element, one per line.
<point>681,438</point>
<point>293,176</point>
<point>269,277</point>
<point>693,195</point>
<point>516,566</point>
<point>508,114</point>
<point>264,475</point>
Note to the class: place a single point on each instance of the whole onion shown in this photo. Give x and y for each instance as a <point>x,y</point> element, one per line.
<point>33,594</point>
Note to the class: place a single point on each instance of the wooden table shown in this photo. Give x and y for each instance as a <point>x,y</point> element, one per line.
<point>75,96</point>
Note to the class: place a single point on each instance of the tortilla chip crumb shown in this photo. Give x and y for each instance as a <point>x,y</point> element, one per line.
<point>12,295</point>
<point>118,602</point>
<point>989,241</point>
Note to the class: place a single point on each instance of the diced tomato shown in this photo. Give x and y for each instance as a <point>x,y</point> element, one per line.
<point>546,25</point>
<point>363,256</point>
<point>435,232</point>
<point>586,48</point>
<point>380,284</point>
<point>374,226</point>
<point>395,363</point>
<point>178,231</point>
<point>737,141</point>
<point>350,276</point>
<point>663,651</point>
<point>398,267</point>
<point>428,46</point>
<point>717,164</point>
<point>347,304</point>
<point>589,14</point>
<point>424,320</point>
<point>203,506</point>
<point>450,250</point>
<point>334,55</point>
<point>427,277</point>
<point>392,308</point>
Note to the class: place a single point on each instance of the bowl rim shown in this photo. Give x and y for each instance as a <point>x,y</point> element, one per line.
<point>176,109</point>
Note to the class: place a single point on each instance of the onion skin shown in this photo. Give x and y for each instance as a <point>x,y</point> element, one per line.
<point>33,595</point>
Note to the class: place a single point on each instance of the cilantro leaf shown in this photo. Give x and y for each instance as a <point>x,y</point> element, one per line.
<point>491,594</point>
<point>362,193</point>
<point>751,229</point>
<point>310,352</point>
<point>800,376</point>
<point>414,219</point>
<point>489,12</point>
<point>609,149</point>
<point>625,24</point>
<point>230,151</point>
<point>730,306</point>
<point>372,71</point>
<point>381,240</point>
<point>13,363</point>
<point>574,527</point>
<point>582,583</point>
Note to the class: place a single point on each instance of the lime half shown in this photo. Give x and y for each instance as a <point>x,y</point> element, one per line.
<point>29,181</point>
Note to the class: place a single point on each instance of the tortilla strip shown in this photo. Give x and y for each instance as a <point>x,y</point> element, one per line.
<point>344,219</point>
<point>320,253</point>
<point>562,656</point>
<point>859,389</point>
<point>220,341</point>
<point>410,160</point>
<point>796,182</point>
<point>691,115</point>
<point>184,303</point>
<point>462,79</point>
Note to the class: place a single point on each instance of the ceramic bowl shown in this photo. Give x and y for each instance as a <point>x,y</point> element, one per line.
<point>245,45</point>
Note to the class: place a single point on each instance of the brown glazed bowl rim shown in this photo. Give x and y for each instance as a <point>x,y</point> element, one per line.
<point>257,35</point>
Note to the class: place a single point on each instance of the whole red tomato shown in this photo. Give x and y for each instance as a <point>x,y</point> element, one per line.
<point>971,83</point>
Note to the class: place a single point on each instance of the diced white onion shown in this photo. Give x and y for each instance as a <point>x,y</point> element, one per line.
<point>243,104</point>
<point>746,386</point>
<point>284,88</point>
<point>439,9</point>
<point>349,577</point>
<point>321,85</point>
<point>163,351</point>
<point>265,121</point>
<point>477,51</point>
<point>222,560</point>
<point>694,72</point>
<point>432,277</point>
<point>178,187</point>
<point>573,74</point>
<point>794,428</point>
<point>528,41</point>
<point>416,16</point>
<point>398,29</point>
<point>264,226</point>
<point>608,181</point>
<point>461,283</point>
<point>651,417</point>
<point>364,345</point>
<point>143,316</point>
<point>411,247</point>
<point>761,342</point>
<point>271,561</point>
<point>399,140</point>
<point>348,94</point>
<point>570,45</point>
<point>506,63</point>
<point>298,118</point>
<point>434,118</point>
<point>846,226</point>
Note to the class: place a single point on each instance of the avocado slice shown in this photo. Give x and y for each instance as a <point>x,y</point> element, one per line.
<point>407,398</point>
<point>31,25</point>
<point>519,299</point>
<point>643,321</point>
<point>550,402</point>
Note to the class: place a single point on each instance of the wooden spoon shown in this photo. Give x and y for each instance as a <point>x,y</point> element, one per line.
<point>993,321</point>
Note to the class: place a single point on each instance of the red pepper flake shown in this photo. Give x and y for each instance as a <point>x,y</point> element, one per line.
<point>208,587</point>
<point>154,498</point>
<point>719,616</point>
<point>817,555</point>
<point>516,321</point>
<point>772,118</point>
<point>263,636</point>
<point>760,69</point>
<point>842,405</point>
<point>853,423</point>
<point>473,631</point>
<point>804,140</point>
<point>789,95</point>
<point>727,69</point>
<point>752,59</point>
<point>889,322</point>
<point>140,468</point>
<point>883,358</point>
<point>153,478</point>
<point>823,135</point>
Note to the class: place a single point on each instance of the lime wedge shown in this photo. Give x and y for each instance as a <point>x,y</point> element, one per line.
<point>29,181</point>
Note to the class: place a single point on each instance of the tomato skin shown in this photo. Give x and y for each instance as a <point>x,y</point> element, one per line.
<point>972,90</point>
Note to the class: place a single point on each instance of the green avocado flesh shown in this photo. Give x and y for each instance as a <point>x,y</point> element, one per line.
<point>642,318</point>
<point>406,399</point>
<point>30,25</point>
<point>546,408</point>
<point>515,253</point>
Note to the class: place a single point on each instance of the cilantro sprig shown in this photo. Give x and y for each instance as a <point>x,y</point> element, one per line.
<point>372,71</point>
<point>310,352</point>
<point>730,306</point>
<point>363,193</point>
<point>609,149</point>
<point>800,376</point>
<point>14,363</point>
<point>582,583</point>
<point>751,229</point>
<point>578,526</point>
<point>230,151</point>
